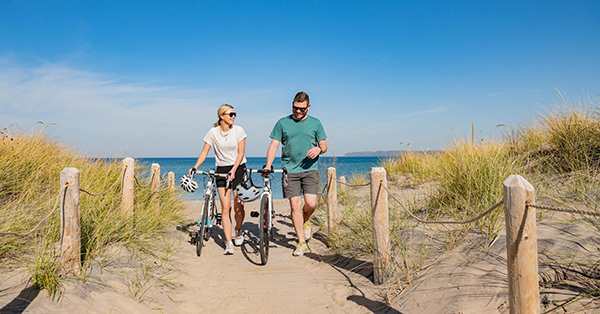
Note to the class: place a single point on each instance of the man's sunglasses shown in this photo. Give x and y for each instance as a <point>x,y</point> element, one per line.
<point>231,114</point>
<point>299,108</point>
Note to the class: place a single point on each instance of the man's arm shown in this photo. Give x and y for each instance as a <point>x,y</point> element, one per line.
<point>271,152</point>
<point>317,150</point>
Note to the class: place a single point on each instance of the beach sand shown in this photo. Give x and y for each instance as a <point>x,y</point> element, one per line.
<point>212,283</point>
<point>467,279</point>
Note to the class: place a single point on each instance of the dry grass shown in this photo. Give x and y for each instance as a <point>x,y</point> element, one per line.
<point>559,153</point>
<point>30,166</point>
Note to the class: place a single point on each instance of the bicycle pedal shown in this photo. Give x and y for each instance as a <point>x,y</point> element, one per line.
<point>254,214</point>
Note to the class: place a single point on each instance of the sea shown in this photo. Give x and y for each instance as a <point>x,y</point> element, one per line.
<point>345,166</point>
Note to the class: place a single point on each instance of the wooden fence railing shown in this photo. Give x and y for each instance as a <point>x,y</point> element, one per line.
<point>70,212</point>
<point>521,238</point>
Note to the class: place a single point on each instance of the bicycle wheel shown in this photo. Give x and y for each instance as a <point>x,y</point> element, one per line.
<point>263,229</point>
<point>200,238</point>
<point>210,213</point>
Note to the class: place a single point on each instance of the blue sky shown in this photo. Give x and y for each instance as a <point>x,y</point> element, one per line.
<point>144,78</point>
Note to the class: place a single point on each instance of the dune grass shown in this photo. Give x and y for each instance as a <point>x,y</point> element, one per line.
<point>30,166</point>
<point>559,153</point>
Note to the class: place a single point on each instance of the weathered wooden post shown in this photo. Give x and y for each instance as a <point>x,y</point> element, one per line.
<point>127,188</point>
<point>154,184</point>
<point>521,245</point>
<point>342,184</point>
<point>171,177</point>
<point>332,200</point>
<point>381,223</point>
<point>69,222</point>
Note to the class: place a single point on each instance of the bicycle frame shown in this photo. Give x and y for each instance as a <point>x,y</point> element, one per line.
<point>265,220</point>
<point>209,215</point>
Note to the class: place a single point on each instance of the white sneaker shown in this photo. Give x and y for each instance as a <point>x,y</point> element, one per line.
<point>228,248</point>
<point>239,238</point>
<point>307,231</point>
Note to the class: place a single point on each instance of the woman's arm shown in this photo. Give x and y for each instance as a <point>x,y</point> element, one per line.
<point>238,160</point>
<point>201,157</point>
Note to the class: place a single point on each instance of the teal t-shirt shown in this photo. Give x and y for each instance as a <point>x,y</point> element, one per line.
<point>296,138</point>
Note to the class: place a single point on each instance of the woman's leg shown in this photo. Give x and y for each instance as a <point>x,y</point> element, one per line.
<point>225,197</point>
<point>240,213</point>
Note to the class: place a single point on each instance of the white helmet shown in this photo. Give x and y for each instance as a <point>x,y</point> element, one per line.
<point>188,184</point>
<point>248,192</point>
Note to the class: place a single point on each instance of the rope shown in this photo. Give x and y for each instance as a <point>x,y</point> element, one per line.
<point>110,188</point>
<point>143,186</point>
<point>350,185</point>
<point>564,210</point>
<point>64,188</point>
<point>326,187</point>
<point>444,221</point>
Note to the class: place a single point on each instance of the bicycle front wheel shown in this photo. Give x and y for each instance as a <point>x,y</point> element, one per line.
<point>202,230</point>
<point>263,228</point>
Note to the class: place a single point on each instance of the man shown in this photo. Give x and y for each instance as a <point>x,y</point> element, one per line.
<point>303,140</point>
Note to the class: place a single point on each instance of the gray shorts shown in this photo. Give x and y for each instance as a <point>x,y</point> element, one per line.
<point>301,183</point>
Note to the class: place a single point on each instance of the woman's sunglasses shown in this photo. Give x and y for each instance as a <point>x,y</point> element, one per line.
<point>231,114</point>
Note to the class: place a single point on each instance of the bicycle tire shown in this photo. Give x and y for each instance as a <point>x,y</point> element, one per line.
<point>202,227</point>
<point>210,213</point>
<point>263,229</point>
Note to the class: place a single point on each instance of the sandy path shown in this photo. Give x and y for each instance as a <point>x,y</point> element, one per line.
<point>228,284</point>
<point>214,283</point>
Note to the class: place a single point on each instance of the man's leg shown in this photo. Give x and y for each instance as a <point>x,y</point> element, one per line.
<point>297,217</point>
<point>310,204</point>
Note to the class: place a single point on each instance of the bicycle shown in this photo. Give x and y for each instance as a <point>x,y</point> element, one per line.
<point>265,213</point>
<point>209,215</point>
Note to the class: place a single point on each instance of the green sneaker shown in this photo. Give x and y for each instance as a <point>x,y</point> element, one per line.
<point>307,231</point>
<point>301,248</point>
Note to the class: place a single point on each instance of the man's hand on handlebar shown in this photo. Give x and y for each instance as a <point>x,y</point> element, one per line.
<point>266,171</point>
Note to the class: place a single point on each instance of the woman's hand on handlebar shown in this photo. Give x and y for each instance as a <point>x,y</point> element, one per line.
<point>192,171</point>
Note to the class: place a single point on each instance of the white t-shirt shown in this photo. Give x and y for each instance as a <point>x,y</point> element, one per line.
<point>225,144</point>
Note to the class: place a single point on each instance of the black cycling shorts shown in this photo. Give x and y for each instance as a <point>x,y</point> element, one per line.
<point>239,175</point>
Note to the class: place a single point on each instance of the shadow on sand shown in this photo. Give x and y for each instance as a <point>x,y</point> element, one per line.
<point>356,266</point>
<point>21,302</point>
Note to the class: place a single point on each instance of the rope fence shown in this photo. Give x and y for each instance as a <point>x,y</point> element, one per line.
<point>110,188</point>
<point>485,213</point>
<point>520,224</point>
<point>41,221</point>
<point>68,198</point>
<point>351,185</point>
<point>565,210</point>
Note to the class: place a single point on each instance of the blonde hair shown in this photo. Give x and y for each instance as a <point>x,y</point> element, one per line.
<point>220,111</point>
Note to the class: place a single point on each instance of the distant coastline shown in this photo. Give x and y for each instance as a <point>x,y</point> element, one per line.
<point>386,153</point>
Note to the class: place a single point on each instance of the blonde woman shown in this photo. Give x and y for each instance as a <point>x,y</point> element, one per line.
<point>228,142</point>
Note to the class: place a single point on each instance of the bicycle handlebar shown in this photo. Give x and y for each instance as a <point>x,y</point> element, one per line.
<point>220,175</point>
<point>262,171</point>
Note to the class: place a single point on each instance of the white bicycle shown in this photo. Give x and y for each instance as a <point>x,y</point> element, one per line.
<point>265,213</point>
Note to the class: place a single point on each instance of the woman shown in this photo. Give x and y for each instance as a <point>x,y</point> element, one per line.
<point>229,143</point>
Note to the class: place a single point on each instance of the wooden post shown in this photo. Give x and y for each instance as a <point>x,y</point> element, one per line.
<point>154,184</point>
<point>342,184</point>
<point>127,188</point>
<point>381,223</point>
<point>70,229</point>
<point>171,177</point>
<point>521,245</point>
<point>332,200</point>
